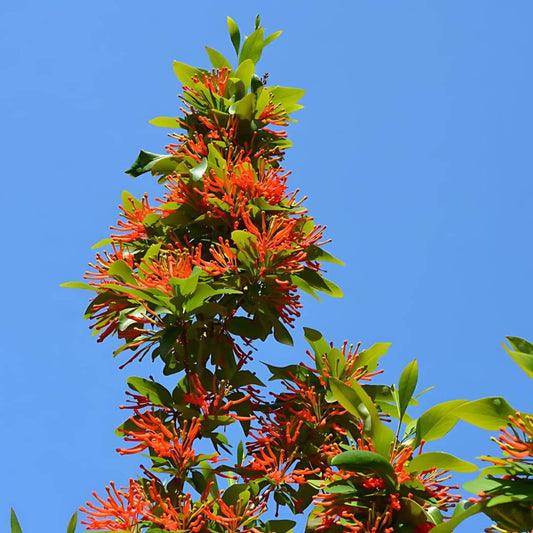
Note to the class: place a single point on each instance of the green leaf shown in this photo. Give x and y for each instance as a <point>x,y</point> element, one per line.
<point>235,34</point>
<point>523,356</point>
<point>486,413</point>
<point>102,242</point>
<point>412,513</point>
<point>78,285</point>
<point>287,98</point>
<point>243,378</point>
<point>272,37</point>
<point>357,402</point>
<point>245,72</point>
<point>336,362</point>
<point>121,271</point>
<point>240,453</point>
<point>144,162</point>
<point>316,253</point>
<point>167,165</point>
<point>185,73</point>
<point>245,327</point>
<point>368,463</point>
<point>165,122</point>
<point>152,390</point>
<point>71,527</point>
<point>440,460</point>
<point>318,344</point>
<point>371,356</point>
<point>467,511</point>
<point>437,421</point>
<point>521,345</point>
<point>199,170</point>
<point>252,47</point>
<point>244,108</point>
<point>281,334</point>
<point>243,239</point>
<point>217,59</point>
<point>407,386</point>
<point>279,526</point>
<point>319,283</point>
<point>15,526</point>
<point>235,493</point>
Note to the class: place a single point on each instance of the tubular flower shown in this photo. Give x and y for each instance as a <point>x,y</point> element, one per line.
<point>121,511</point>
<point>236,517</point>
<point>176,445</point>
<point>133,227</point>
<point>433,481</point>
<point>157,273</point>
<point>181,516</point>
<point>518,447</point>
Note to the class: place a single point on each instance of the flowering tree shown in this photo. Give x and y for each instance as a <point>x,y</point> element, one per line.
<point>195,279</point>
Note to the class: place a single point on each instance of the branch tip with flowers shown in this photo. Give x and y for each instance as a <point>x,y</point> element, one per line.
<point>196,279</point>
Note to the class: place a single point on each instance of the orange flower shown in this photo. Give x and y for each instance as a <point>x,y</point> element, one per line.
<point>182,516</point>
<point>121,511</point>
<point>520,448</point>
<point>133,228</point>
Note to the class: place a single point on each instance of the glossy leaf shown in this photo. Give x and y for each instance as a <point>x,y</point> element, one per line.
<point>15,526</point>
<point>357,402</point>
<point>144,162</point>
<point>185,73</point>
<point>244,108</point>
<point>245,72</point>
<point>407,386</point>
<point>217,59</point>
<point>152,390</point>
<point>523,354</point>
<point>370,357</point>
<point>437,421</point>
<point>198,171</point>
<point>235,34</point>
<point>366,462</point>
<point>121,271</point>
<point>336,362</point>
<point>440,460</point>
<point>486,413</point>
<point>287,97</point>
<point>318,344</point>
<point>252,48</point>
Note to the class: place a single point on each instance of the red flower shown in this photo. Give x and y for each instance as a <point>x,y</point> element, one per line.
<point>133,228</point>
<point>519,447</point>
<point>121,511</point>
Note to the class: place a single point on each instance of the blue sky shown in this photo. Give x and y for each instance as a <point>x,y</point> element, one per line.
<point>413,148</point>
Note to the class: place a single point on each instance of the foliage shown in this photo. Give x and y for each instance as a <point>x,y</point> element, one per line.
<point>195,280</point>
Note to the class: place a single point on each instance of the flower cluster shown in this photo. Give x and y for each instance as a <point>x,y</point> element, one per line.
<point>195,278</point>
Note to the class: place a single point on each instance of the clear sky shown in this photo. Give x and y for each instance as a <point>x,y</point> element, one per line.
<point>414,148</point>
